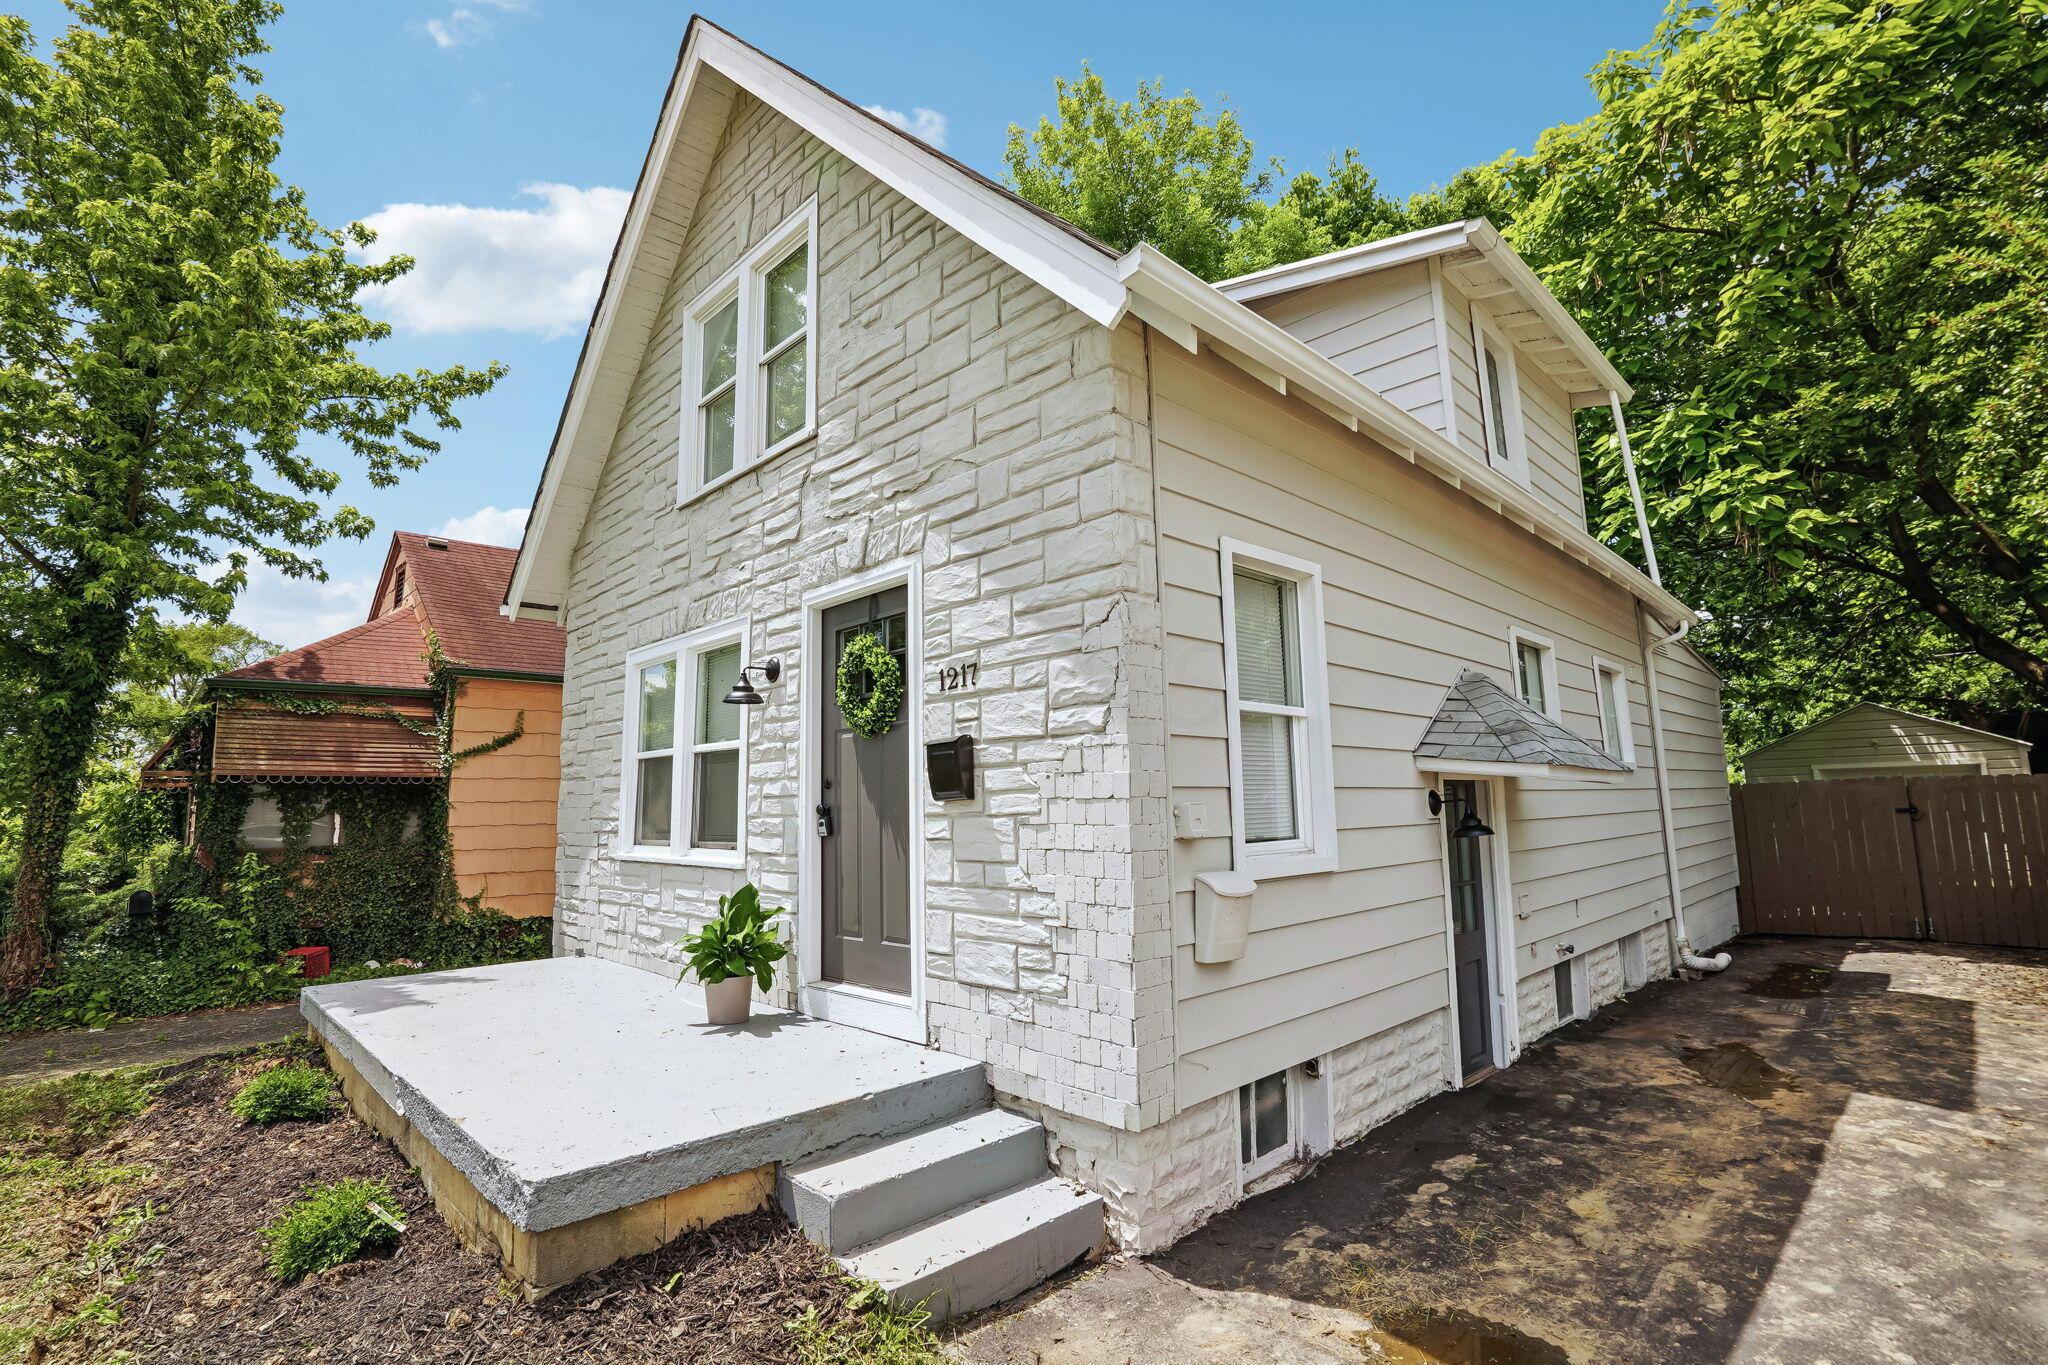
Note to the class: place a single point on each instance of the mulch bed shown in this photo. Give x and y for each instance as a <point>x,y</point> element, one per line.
<point>210,1296</point>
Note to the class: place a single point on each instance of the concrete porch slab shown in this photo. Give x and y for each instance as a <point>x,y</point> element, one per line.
<point>569,1088</point>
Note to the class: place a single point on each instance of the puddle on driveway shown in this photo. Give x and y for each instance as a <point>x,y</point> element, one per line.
<point>1739,1069</point>
<point>1793,981</point>
<point>1446,1336</point>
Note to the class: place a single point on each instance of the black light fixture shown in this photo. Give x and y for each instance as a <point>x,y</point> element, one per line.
<point>743,693</point>
<point>1471,826</point>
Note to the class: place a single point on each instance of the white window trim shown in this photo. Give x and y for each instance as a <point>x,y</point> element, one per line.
<point>1517,637</point>
<point>1606,673</point>
<point>1514,461</point>
<point>1258,1167</point>
<point>745,281</point>
<point>1315,792</point>
<point>686,650</point>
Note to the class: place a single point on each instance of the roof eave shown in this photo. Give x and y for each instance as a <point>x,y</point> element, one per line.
<point>1183,307</point>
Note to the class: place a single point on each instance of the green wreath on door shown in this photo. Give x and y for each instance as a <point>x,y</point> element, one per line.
<point>867,660</point>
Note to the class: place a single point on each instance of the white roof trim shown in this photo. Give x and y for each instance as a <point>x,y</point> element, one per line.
<point>1548,772</point>
<point>1059,258</point>
<point>1068,264</point>
<point>1162,285</point>
<point>1477,234</point>
<point>1894,710</point>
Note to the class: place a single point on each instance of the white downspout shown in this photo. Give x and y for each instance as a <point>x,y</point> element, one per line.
<point>1686,957</point>
<point>1635,493</point>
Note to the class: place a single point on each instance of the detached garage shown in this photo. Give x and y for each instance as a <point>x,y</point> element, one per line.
<point>1869,740</point>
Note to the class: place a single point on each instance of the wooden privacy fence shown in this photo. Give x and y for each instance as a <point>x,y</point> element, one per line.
<point>1958,859</point>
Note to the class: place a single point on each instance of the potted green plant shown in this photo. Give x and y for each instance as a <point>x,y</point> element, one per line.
<point>732,953</point>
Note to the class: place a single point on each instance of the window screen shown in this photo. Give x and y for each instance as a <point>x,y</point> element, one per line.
<point>1271,716</point>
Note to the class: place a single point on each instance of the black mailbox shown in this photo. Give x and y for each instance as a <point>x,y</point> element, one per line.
<point>949,766</point>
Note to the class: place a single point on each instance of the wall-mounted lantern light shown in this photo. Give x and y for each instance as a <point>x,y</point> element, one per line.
<point>1471,826</point>
<point>743,693</point>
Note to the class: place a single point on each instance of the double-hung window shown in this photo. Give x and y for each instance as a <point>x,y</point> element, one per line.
<point>1500,401</point>
<point>750,359</point>
<point>1534,661</point>
<point>1615,734</point>
<point>1282,801</point>
<point>684,780</point>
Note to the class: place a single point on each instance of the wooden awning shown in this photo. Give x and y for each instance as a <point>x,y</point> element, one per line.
<point>365,739</point>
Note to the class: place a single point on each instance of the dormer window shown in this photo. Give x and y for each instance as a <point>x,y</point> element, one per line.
<point>750,359</point>
<point>1500,401</point>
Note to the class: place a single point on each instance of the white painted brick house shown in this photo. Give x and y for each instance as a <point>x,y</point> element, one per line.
<point>1194,569</point>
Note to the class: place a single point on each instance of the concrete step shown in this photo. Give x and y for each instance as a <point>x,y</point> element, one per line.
<point>985,1252</point>
<point>842,1202</point>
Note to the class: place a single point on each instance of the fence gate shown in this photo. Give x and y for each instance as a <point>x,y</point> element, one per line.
<point>1959,859</point>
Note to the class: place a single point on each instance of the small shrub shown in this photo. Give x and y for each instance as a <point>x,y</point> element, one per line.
<point>285,1092</point>
<point>331,1225</point>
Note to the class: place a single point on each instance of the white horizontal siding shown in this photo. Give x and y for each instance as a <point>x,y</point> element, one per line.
<point>1871,734</point>
<point>1380,328</point>
<point>1417,584</point>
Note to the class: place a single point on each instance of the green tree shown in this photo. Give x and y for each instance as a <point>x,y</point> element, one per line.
<point>1815,237</point>
<point>1155,170</point>
<point>174,325</point>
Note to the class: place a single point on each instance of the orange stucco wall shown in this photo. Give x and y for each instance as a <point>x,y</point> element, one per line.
<point>501,805</point>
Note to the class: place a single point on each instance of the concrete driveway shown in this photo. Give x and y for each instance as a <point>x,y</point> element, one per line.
<point>1836,1151</point>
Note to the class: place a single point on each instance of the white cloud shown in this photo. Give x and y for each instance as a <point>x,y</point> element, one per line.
<point>471,22</point>
<point>521,270</point>
<point>290,612</point>
<point>491,525</point>
<point>926,125</point>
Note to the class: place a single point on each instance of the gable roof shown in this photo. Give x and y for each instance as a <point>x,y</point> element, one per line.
<point>1482,723</point>
<point>1854,707</point>
<point>458,585</point>
<point>1484,267</point>
<point>713,67</point>
<point>453,588</point>
<point>388,651</point>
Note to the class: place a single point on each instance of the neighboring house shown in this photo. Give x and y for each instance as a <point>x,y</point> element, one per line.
<point>1220,585</point>
<point>1872,740</point>
<point>368,707</point>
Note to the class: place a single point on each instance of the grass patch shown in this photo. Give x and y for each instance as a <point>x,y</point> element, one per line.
<point>331,1225</point>
<point>67,1245</point>
<point>876,1332</point>
<point>284,1093</point>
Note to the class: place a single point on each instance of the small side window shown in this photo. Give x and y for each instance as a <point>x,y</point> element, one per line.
<point>1616,736</point>
<point>1265,1124</point>
<point>1534,664</point>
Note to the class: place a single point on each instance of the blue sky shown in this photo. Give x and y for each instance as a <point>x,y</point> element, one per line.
<point>496,140</point>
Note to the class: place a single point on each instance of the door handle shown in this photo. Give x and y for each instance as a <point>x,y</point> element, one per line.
<point>1912,812</point>
<point>824,820</point>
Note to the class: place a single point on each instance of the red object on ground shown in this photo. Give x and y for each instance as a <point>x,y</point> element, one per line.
<point>313,962</point>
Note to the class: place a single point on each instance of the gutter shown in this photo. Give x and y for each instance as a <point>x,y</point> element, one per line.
<point>1686,957</point>
<point>224,683</point>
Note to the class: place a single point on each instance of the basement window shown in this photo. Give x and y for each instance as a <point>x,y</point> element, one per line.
<point>1265,1124</point>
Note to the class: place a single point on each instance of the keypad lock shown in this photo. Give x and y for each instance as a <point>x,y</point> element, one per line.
<point>824,820</point>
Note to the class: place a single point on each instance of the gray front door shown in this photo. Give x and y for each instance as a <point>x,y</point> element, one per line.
<point>863,813</point>
<point>1471,963</point>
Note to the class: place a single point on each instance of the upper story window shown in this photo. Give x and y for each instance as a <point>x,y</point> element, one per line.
<point>682,786</point>
<point>1534,661</point>
<point>1616,737</point>
<point>1283,820</point>
<point>1500,400</point>
<point>750,358</point>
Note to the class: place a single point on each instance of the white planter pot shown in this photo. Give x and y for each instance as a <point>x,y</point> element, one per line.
<point>729,1001</point>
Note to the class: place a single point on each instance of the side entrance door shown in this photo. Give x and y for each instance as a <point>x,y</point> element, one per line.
<point>863,814</point>
<point>1470,954</point>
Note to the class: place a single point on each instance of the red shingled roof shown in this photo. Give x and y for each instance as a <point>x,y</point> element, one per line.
<point>455,587</point>
<point>389,651</point>
<point>459,585</point>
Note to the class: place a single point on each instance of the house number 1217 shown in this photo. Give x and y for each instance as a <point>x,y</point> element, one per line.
<point>955,677</point>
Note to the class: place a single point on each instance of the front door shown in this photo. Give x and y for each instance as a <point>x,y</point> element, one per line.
<point>1469,950</point>
<point>863,814</point>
